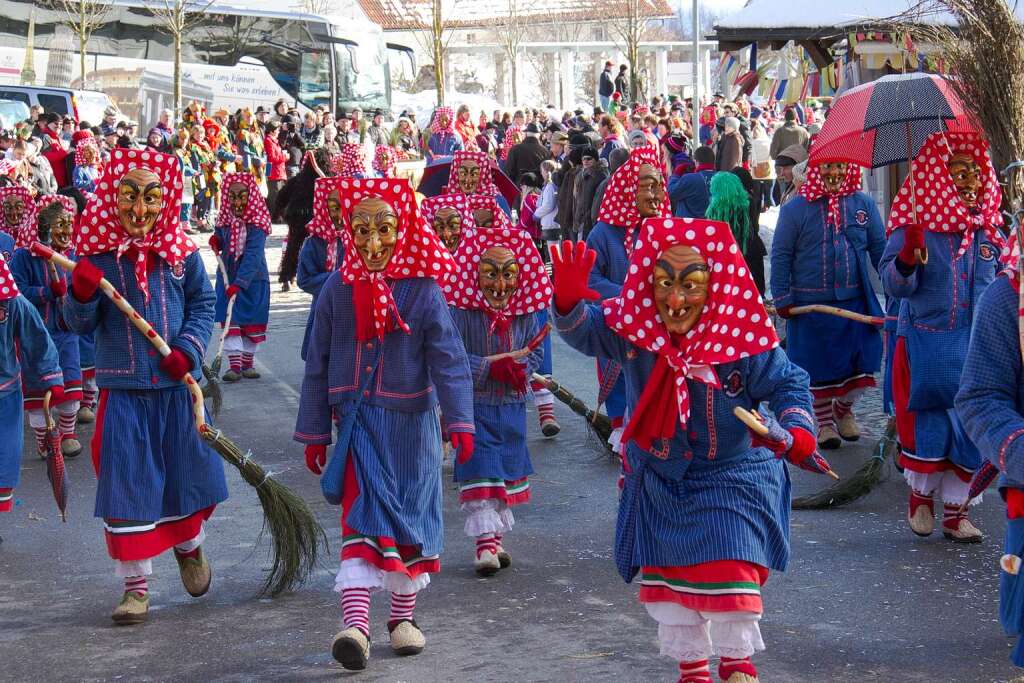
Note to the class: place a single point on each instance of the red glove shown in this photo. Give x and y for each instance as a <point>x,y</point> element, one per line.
<point>59,288</point>
<point>233,291</point>
<point>509,371</point>
<point>913,238</point>
<point>570,267</point>
<point>85,280</point>
<point>176,365</point>
<point>56,395</point>
<point>316,457</point>
<point>463,442</point>
<point>784,312</point>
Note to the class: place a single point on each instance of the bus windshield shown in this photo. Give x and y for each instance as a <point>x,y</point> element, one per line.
<point>362,71</point>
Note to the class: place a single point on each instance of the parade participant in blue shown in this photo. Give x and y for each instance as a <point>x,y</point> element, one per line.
<point>826,240</point>
<point>240,240</point>
<point>45,287</point>
<point>450,217</point>
<point>953,225</point>
<point>990,404</point>
<point>20,328</point>
<point>17,214</point>
<point>495,294</point>
<point>634,192</point>
<point>443,140</point>
<point>704,513</point>
<point>323,250</point>
<point>382,356</point>
<point>472,173</point>
<point>158,481</point>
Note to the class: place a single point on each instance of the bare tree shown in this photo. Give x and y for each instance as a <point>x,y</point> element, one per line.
<point>511,30</point>
<point>629,30</point>
<point>317,6</point>
<point>178,18</point>
<point>433,33</point>
<point>83,17</point>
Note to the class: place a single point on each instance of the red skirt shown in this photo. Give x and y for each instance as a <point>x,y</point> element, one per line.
<point>718,586</point>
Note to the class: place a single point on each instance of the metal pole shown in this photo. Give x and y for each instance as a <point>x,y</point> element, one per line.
<point>695,57</point>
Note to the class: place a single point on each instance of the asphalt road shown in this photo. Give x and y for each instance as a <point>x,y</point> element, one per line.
<point>863,598</point>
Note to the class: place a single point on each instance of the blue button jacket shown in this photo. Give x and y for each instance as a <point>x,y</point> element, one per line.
<point>690,194</point>
<point>474,327</point>
<point>609,272</point>
<point>180,310</point>
<point>990,401</point>
<point>22,328</point>
<point>6,246</point>
<point>251,265</point>
<point>33,277</point>
<point>812,262</point>
<point>311,276</point>
<point>415,371</point>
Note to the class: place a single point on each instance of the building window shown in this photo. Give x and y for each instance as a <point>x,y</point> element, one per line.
<point>470,38</point>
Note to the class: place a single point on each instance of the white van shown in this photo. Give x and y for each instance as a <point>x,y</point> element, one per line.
<point>81,105</point>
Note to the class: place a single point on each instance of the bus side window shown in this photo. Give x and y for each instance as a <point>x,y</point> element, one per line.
<point>58,104</point>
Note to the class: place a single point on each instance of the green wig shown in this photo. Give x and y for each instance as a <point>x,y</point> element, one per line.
<point>730,204</point>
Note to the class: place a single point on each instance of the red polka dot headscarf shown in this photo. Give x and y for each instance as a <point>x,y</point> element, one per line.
<point>28,216</point>
<point>418,253</point>
<point>619,204</point>
<point>814,189</point>
<point>513,136</point>
<point>733,324</point>
<point>256,213</point>
<point>488,203</point>
<point>80,149</point>
<point>486,186</point>
<point>937,205</point>
<point>102,232</point>
<point>384,160</point>
<point>27,237</point>
<point>352,164</point>
<point>533,292</point>
<point>460,202</point>
<point>321,225</point>
<point>8,287</point>
<point>435,122</point>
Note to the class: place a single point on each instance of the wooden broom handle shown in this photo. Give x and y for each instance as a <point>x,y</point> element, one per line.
<point>140,323</point>
<point>751,420</point>
<point>839,312</point>
<point>231,305</point>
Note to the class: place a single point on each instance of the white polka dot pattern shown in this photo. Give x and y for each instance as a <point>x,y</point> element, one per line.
<point>8,288</point>
<point>26,229</point>
<point>733,324</point>
<point>101,231</point>
<point>937,206</point>
<point>462,286</point>
<point>27,237</point>
<point>256,213</point>
<point>618,207</point>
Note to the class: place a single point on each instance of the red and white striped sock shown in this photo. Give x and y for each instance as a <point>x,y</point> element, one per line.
<point>235,361</point>
<point>485,542</point>
<point>823,413</point>
<point>951,515</point>
<point>136,584</point>
<point>355,609</point>
<point>402,606</point>
<point>66,423</point>
<point>546,413</point>
<point>6,499</point>
<point>247,360</point>
<point>497,540</point>
<point>40,434</point>
<point>919,499</point>
<point>88,395</point>
<point>728,666</point>
<point>697,671</point>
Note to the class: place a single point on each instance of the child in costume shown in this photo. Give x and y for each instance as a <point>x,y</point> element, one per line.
<point>704,513</point>
<point>158,481</point>
<point>324,249</point>
<point>825,241</point>
<point>384,161</point>
<point>20,328</point>
<point>954,221</point>
<point>383,354</point>
<point>990,403</point>
<point>443,140</point>
<point>472,173</point>
<point>17,215</point>
<point>240,240</point>
<point>495,294</point>
<point>635,191</point>
<point>45,287</point>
